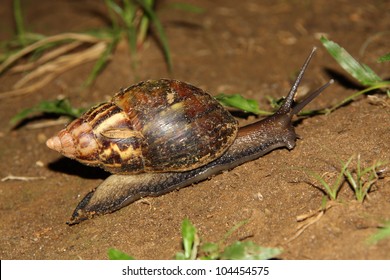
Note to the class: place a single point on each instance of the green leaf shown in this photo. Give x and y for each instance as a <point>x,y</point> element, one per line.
<point>331,191</point>
<point>144,25</point>
<point>239,102</point>
<point>160,31</point>
<point>361,72</point>
<point>114,254</point>
<point>210,247</point>
<point>115,7</point>
<point>382,233</point>
<point>275,103</point>
<point>233,229</point>
<point>384,58</point>
<point>249,251</point>
<point>188,232</point>
<point>60,107</point>
<point>103,59</point>
<point>210,250</point>
<point>180,256</point>
<point>128,17</point>
<point>19,22</point>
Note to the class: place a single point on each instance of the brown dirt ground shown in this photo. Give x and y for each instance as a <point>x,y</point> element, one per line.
<point>253,48</point>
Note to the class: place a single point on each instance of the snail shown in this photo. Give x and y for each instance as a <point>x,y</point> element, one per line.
<point>161,135</point>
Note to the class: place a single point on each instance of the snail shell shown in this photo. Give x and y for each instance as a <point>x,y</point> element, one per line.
<point>154,126</point>
<point>157,136</point>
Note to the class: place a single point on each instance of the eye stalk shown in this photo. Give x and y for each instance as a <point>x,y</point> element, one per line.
<point>287,106</point>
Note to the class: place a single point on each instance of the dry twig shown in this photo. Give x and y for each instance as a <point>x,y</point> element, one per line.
<point>308,220</point>
<point>21,178</point>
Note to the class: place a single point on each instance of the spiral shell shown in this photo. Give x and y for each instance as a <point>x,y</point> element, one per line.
<point>154,126</point>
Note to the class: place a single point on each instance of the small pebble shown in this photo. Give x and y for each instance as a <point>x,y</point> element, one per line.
<point>41,138</point>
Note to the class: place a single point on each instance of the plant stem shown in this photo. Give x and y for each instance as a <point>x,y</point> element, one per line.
<point>129,15</point>
<point>380,85</point>
<point>144,25</point>
<point>160,32</point>
<point>19,23</point>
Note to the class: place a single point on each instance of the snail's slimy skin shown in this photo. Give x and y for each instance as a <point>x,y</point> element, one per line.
<point>148,179</point>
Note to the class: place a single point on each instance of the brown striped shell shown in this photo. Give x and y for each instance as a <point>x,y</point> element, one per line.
<point>154,126</point>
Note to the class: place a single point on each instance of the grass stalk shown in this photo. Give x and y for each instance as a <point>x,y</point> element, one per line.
<point>333,189</point>
<point>362,179</point>
<point>160,31</point>
<point>20,31</point>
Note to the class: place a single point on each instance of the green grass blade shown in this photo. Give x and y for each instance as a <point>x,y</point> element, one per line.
<point>113,8</point>
<point>249,251</point>
<point>361,72</point>
<point>239,102</point>
<point>233,229</point>
<point>211,250</point>
<point>112,5</point>
<point>60,107</point>
<point>19,23</point>
<point>128,16</point>
<point>351,180</point>
<point>103,59</point>
<point>144,25</point>
<point>343,169</point>
<point>114,254</point>
<point>160,32</point>
<point>384,58</point>
<point>356,186</point>
<point>330,191</point>
<point>13,46</point>
<point>382,233</point>
<point>354,183</point>
<point>188,232</point>
<point>380,85</point>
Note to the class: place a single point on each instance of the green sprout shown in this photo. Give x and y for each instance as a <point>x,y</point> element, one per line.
<point>190,241</point>
<point>238,250</point>
<point>239,102</point>
<point>362,179</point>
<point>132,19</point>
<point>331,190</point>
<point>60,107</point>
<point>382,233</point>
<point>193,250</point>
<point>115,254</point>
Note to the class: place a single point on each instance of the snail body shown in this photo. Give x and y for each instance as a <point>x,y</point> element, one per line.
<point>158,136</point>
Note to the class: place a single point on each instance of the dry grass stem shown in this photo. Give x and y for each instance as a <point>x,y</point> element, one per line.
<point>47,57</point>
<point>48,123</point>
<point>47,72</point>
<point>61,37</point>
<point>63,63</point>
<point>21,178</point>
<point>380,101</point>
<point>309,219</point>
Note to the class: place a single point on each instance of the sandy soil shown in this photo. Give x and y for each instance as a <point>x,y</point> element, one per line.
<point>253,48</point>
